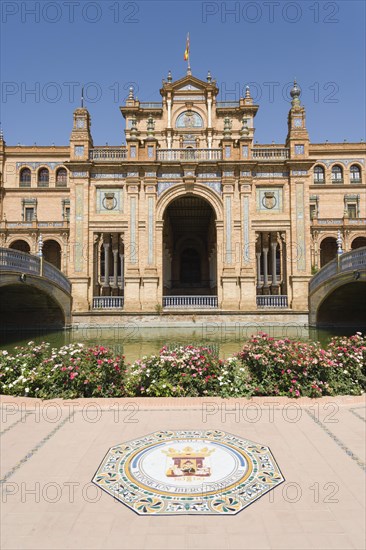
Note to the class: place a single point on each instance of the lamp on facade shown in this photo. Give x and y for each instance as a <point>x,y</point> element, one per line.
<point>339,243</point>
<point>40,245</point>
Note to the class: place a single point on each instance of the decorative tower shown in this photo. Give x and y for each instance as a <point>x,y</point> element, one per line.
<point>299,167</point>
<point>81,140</point>
<point>81,145</point>
<point>297,137</point>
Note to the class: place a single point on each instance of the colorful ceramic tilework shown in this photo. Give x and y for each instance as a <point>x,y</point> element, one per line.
<point>188,472</point>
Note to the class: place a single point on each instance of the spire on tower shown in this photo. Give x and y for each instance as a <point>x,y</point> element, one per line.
<point>295,94</point>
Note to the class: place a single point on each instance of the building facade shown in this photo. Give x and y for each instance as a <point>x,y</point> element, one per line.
<point>191,211</point>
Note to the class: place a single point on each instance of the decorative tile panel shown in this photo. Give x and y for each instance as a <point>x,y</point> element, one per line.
<point>269,199</point>
<point>109,200</point>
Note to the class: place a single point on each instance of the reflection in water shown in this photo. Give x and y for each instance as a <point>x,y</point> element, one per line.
<point>134,342</point>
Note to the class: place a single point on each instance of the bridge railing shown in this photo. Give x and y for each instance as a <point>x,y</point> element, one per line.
<point>14,260</point>
<point>349,261</point>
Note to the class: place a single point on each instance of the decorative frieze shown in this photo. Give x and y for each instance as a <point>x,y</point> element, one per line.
<point>34,165</point>
<point>103,176</point>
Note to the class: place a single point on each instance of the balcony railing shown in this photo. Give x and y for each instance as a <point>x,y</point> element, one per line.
<point>188,302</point>
<point>108,302</point>
<point>271,153</point>
<point>272,301</point>
<point>189,154</point>
<point>108,153</point>
<point>221,104</point>
<point>151,105</point>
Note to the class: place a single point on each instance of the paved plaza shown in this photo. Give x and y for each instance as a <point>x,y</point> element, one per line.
<point>51,450</point>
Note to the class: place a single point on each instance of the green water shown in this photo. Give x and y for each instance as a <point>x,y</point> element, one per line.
<point>134,342</point>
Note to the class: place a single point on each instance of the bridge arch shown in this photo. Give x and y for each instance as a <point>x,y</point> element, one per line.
<point>337,293</point>
<point>32,293</point>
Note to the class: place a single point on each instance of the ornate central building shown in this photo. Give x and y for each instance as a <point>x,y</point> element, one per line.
<point>191,212</point>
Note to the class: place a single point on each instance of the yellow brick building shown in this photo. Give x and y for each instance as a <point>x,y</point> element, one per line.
<point>191,212</point>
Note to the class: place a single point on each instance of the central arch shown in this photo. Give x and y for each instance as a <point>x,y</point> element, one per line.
<point>189,247</point>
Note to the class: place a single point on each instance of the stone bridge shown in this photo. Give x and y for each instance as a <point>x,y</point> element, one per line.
<point>337,293</point>
<point>33,292</point>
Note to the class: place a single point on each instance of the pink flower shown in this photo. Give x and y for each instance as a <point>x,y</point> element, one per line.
<point>72,375</point>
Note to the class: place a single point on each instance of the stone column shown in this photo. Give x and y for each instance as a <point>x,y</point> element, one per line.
<point>258,257</point>
<point>106,287</point>
<point>265,271</point>
<point>169,105</point>
<point>115,271</point>
<point>209,106</point>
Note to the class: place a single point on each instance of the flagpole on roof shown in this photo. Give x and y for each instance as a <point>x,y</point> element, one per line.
<point>189,72</point>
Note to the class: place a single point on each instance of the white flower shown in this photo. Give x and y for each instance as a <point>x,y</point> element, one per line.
<point>5,352</point>
<point>26,390</point>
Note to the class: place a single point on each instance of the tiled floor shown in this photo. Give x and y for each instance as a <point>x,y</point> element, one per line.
<point>50,452</point>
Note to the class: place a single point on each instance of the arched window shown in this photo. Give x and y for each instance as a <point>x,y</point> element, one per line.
<point>43,177</point>
<point>337,174</point>
<point>319,174</point>
<point>355,174</point>
<point>61,177</point>
<point>25,178</point>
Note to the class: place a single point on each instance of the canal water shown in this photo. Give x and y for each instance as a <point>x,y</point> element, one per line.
<point>134,342</point>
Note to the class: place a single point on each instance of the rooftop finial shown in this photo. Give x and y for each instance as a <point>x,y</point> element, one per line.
<point>1,133</point>
<point>169,78</point>
<point>247,92</point>
<point>130,93</point>
<point>209,77</point>
<point>82,97</point>
<point>295,93</point>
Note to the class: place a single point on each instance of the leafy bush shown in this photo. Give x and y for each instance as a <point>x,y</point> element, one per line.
<point>70,372</point>
<point>265,366</point>
<point>286,367</point>
<point>181,372</point>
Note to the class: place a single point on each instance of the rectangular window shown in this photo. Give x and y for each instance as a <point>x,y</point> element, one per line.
<point>79,150</point>
<point>67,213</point>
<point>133,151</point>
<point>299,149</point>
<point>150,151</point>
<point>29,214</point>
<point>312,211</point>
<point>244,151</point>
<point>227,151</point>
<point>352,210</point>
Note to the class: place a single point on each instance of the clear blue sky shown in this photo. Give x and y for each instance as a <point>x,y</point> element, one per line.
<point>53,47</point>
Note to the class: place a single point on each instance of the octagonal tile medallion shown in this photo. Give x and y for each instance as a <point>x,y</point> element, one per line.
<point>188,472</point>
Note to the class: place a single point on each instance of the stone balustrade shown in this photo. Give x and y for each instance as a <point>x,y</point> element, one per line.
<point>188,302</point>
<point>108,153</point>
<point>270,153</point>
<point>277,301</point>
<point>191,155</point>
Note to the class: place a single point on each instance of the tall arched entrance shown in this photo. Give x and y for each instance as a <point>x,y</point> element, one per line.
<point>52,253</point>
<point>189,248</point>
<point>20,245</point>
<point>328,250</point>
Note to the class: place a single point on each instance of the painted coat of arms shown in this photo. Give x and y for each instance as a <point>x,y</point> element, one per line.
<point>188,462</point>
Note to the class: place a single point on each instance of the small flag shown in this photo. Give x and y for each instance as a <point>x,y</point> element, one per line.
<point>186,53</point>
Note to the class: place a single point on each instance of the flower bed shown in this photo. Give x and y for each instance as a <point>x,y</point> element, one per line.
<point>265,366</point>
